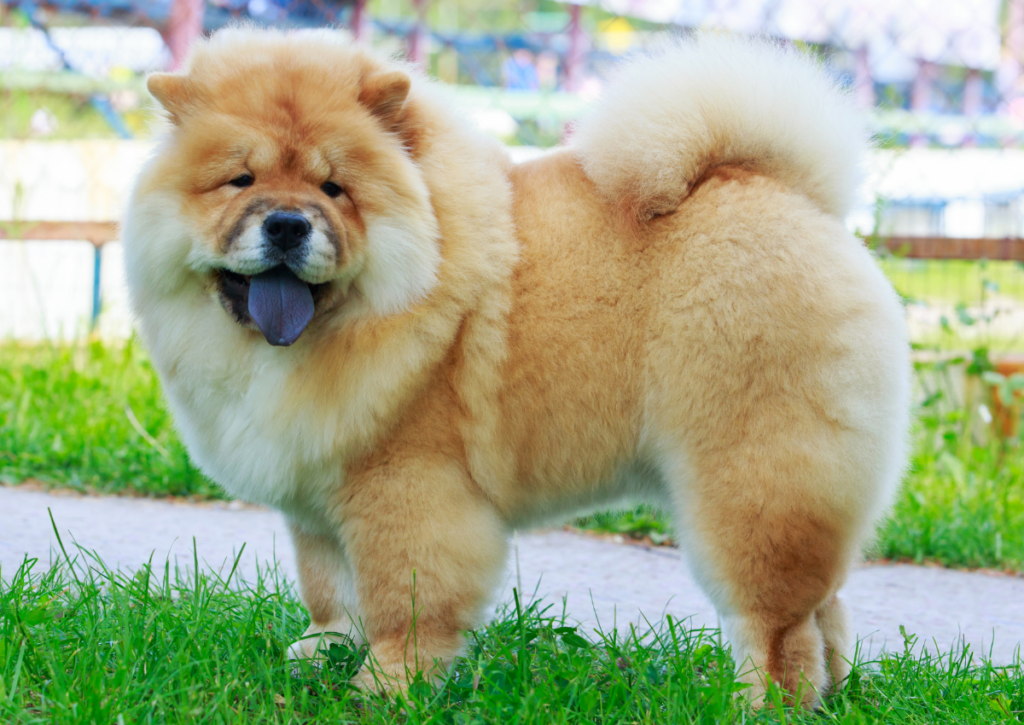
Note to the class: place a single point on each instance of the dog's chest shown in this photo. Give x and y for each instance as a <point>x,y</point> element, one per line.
<point>240,432</point>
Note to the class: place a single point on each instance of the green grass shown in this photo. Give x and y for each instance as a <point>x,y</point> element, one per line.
<point>75,115</point>
<point>83,644</point>
<point>961,304</point>
<point>642,523</point>
<point>64,421</point>
<point>954,280</point>
<point>963,500</point>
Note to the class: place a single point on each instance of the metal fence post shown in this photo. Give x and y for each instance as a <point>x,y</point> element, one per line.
<point>96,277</point>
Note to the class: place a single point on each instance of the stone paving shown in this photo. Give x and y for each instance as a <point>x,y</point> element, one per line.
<point>602,582</point>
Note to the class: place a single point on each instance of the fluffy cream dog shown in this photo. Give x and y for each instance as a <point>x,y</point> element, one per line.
<point>364,315</point>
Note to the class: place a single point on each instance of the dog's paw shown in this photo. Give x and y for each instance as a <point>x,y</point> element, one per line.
<point>395,676</point>
<point>377,680</point>
<point>318,637</point>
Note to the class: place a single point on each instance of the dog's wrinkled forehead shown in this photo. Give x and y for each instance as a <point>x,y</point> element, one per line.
<point>300,94</point>
<point>274,154</point>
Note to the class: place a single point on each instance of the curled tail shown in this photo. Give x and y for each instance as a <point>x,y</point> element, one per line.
<point>671,115</point>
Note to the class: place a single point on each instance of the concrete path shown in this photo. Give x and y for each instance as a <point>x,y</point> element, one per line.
<point>601,581</point>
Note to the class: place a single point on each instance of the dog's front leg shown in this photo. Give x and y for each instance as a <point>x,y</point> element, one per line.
<point>427,548</point>
<point>327,586</point>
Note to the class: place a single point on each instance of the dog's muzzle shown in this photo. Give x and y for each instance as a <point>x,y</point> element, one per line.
<point>286,230</point>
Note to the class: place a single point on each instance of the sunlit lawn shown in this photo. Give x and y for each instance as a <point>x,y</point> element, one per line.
<point>88,645</point>
<point>954,280</point>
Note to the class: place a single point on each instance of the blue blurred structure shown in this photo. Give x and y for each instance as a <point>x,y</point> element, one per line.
<point>169,17</point>
<point>290,13</point>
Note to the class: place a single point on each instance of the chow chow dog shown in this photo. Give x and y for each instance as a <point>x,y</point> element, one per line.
<point>366,316</point>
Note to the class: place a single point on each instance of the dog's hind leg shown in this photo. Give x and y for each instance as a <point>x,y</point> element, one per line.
<point>833,621</point>
<point>771,554</point>
<point>327,587</point>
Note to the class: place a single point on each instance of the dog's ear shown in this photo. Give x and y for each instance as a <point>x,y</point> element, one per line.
<point>384,94</point>
<point>171,90</point>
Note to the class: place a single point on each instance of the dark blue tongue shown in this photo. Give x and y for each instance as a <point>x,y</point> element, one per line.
<point>281,304</point>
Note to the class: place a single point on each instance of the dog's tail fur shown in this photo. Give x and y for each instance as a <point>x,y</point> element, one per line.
<point>674,114</point>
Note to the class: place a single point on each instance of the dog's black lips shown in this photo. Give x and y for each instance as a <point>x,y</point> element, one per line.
<point>234,294</point>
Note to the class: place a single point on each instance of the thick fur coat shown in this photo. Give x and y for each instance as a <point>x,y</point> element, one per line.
<point>668,309</point>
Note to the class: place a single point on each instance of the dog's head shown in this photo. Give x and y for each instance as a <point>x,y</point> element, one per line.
<point>294,193</point>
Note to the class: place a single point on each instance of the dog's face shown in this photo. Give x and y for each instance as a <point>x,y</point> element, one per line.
<point>296,190</point>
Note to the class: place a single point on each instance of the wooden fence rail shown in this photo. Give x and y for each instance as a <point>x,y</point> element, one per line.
<point>99,233</point>
<point>1007,249</point>
<point>1010,249</point>
<point>96,233</point>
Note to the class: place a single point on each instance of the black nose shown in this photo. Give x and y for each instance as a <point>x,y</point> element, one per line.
<point>286,229</point>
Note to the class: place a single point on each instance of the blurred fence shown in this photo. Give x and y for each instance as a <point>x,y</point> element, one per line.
<point>941,83</point>
<point>936,73</point>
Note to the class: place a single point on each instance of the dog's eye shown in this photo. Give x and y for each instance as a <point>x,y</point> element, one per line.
<point>242,181</point>
<point>331,189</point>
